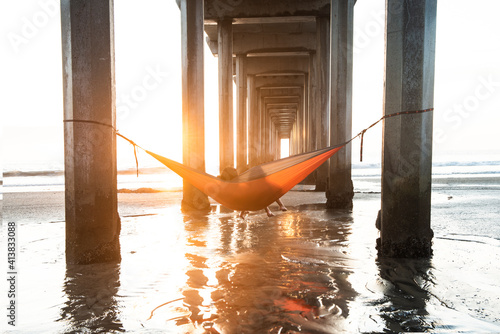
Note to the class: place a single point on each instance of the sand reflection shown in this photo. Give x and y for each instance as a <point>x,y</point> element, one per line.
<point>406,285</point>
<point>92,298</point>
<point>266,275</point>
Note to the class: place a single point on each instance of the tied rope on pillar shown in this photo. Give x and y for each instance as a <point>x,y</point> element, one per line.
<point>259,186</point>
<point>362,133</point>
<point>116,132</point>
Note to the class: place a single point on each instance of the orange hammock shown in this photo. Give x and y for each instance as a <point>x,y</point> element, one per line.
<point>259,186</point>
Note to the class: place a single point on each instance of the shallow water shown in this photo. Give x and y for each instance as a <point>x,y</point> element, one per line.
<point>306,270</point>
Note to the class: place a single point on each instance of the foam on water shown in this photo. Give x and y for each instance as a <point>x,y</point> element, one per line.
<point>366,176</point>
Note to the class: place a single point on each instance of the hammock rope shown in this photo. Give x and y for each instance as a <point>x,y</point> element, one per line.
<point>362,133</point>
<point>261,185</point>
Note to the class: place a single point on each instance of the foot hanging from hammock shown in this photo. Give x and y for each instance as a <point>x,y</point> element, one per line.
<point>230,173</point>
<point>281,205</point>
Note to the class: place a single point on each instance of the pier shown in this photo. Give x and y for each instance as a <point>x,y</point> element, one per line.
<point>291,63</point>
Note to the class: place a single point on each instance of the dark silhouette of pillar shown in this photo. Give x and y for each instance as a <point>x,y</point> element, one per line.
<point>313,105</point>
<point>322,93</point>
<point>407,139</point>
<point>225,58</point>
<point>339,193</point>
<point>92,221</point>
<point>305,115</point>
<point>300,125</point>
<point>193,115</point>
<point>241,113</point>
<point>254,123</point>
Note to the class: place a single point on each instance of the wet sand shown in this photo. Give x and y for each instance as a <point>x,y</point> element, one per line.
<point>306,270</point>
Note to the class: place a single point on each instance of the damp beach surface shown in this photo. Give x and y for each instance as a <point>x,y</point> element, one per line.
<point>307,270</point>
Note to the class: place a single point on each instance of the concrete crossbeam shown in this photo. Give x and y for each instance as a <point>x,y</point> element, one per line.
<point>218,9</point>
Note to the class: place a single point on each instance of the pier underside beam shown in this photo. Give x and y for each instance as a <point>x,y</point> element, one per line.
<point>407,140</point>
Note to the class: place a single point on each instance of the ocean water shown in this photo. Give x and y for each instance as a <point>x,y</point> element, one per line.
<point>306,270</point>
<point>366,175</point>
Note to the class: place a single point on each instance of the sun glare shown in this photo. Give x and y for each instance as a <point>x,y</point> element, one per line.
<point>285,148</point>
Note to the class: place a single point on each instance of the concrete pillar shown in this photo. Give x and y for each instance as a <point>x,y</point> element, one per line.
<point>278,146</point>
<point>276,143</point>
<point>299,140</point>
<point>272,141</point>
<point>293,139</point>
<point>272,138</point>
<point>241,113</point>
<point>296,131</point>
<point>265,132</point>
<point>313,105</point>
<point>92,221</point>
<point>322,93</point>
<point>339,193</point>
<point>262,122</point>
<point>193,115</point>
<point>305,114</point>
<point>278,155</point>
<point>268,135</point>
<point>226,141</point>
<point>407,139</point>
<point>254,122</point>
<point>311,113</point>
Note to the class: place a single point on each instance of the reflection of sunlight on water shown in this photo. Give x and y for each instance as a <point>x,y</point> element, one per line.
<point>42,298</point>
<point>305,270</point>
<point>159,180</point>
<point>153,258</point>
<point>289,226</point>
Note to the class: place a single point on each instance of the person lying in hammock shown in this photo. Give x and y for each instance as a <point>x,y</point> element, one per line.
<point>230,173</point>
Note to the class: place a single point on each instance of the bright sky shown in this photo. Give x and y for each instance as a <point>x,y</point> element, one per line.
<point>148,80</point>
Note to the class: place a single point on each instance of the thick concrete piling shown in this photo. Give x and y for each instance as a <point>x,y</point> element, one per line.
<point>241,114</point>
<point>92,221</point>
<point>254,127</point>
<point>407,140</point>
<point>322,93</point>
<point>313,103</point>
<point>339,193</point>
<point>193,115</point>
<point>225,59</point>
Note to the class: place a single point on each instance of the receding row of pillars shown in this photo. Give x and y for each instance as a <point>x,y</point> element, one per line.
<point>315,103</point>
<point>323,115</point>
